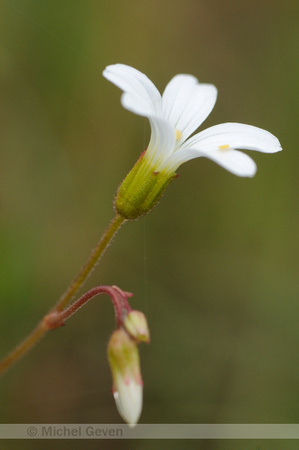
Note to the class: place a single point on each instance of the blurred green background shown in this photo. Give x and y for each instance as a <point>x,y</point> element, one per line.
<point>214,267</point>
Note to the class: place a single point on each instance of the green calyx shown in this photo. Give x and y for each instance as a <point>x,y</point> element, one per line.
<point>123,354</point>
<point>141,190</point>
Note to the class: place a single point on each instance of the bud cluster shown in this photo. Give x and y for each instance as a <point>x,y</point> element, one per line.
<point>124,361</point>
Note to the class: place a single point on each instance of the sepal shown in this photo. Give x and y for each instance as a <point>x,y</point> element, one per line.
<point>141,190</point>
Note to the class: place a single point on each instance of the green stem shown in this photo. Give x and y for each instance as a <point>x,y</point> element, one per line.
<point>91,262</point>
<point>78,282</point>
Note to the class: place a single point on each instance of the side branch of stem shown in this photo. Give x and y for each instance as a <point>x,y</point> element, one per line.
<point>41,329</point>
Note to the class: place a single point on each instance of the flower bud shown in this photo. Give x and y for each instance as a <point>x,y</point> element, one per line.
<point>124,362</point>
<point>136,325</point>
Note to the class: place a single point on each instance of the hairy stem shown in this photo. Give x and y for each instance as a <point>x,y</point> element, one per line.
<point>78,282</point>
<point>118,297</point>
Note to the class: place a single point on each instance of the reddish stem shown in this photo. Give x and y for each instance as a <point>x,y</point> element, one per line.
<point>56,319</point>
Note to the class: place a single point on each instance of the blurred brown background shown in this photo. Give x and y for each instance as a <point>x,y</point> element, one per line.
<point>214,267</point>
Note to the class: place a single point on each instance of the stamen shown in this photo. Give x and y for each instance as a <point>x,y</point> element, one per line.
<point>178,134</point>
<point>223,147</point>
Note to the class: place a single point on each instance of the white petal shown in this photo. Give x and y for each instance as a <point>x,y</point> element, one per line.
<point>162,142</point>
<point>234,161</point>
<point>128,400</point>
<point>187,103</point>
<point>219,143</point>
<point>140,95</point>
<point>234,135</point>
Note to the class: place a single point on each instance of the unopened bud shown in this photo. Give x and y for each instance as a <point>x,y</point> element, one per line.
<point>124,362</point>
<point>136,325</point>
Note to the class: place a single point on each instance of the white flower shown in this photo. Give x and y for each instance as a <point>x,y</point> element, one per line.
<point>175,115</point>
